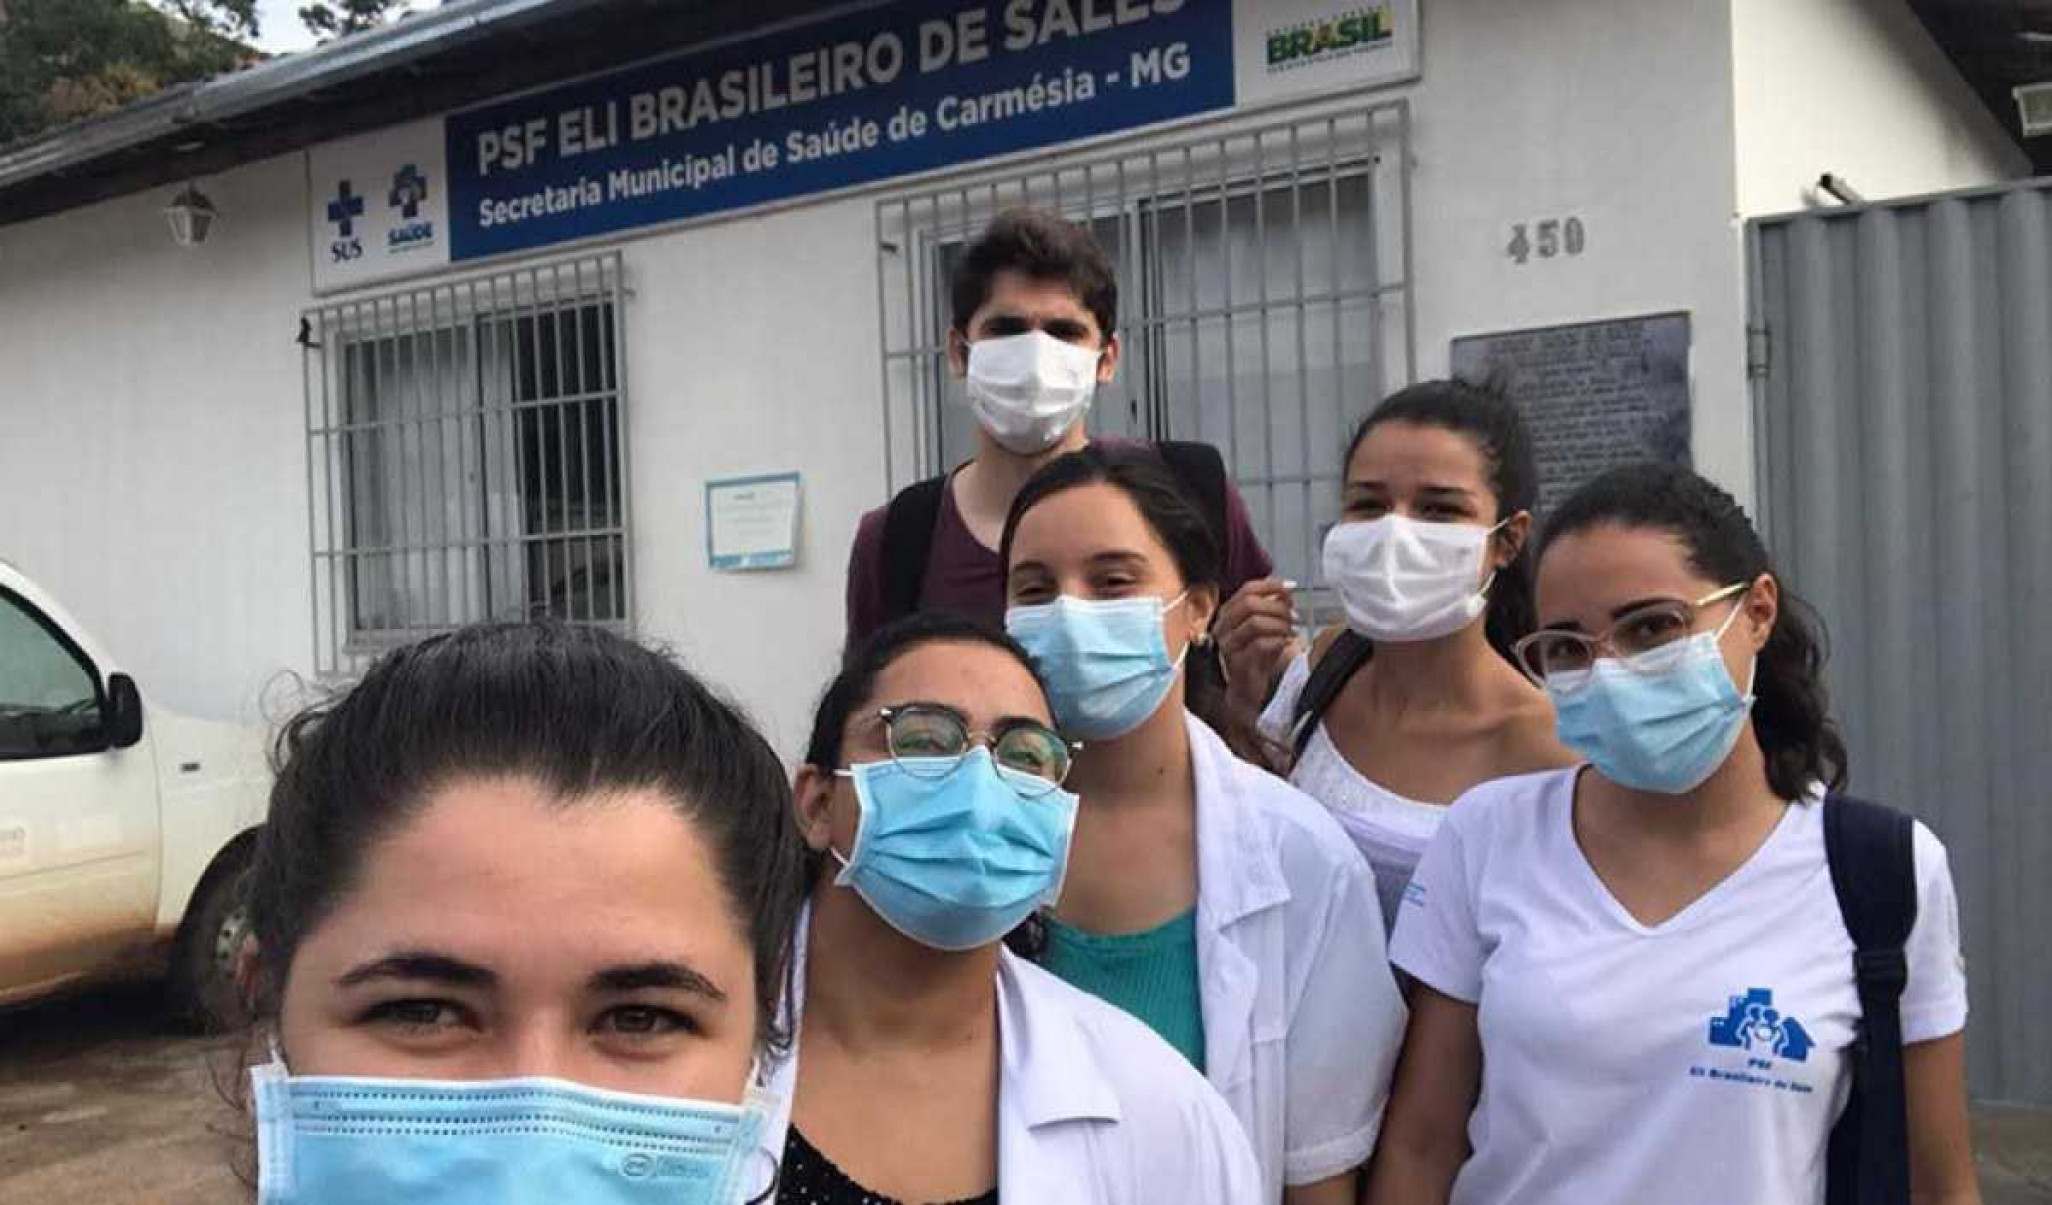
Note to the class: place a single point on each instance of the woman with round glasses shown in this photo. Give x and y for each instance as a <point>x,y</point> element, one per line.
<point>1635,982</point>
<point>928,1063</point>
<point>1210,898</point>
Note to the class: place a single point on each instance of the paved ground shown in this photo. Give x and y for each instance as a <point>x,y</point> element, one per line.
<point>100,1105</point>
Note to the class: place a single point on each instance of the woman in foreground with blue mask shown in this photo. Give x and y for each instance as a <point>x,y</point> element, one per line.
<point>1206,896</point>
<point>928,1063</point>
<point>1635,981</point>
<point>521,907</point>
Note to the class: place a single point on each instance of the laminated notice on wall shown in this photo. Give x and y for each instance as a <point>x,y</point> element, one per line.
<point>752,522</point>
<point>1596,394</point>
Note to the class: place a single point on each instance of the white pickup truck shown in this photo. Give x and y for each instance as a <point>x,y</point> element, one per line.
<point>124,828</point>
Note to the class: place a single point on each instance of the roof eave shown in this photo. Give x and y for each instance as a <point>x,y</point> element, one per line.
<point>271,83</point>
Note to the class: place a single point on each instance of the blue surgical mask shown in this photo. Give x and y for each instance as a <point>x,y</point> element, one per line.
<point>335,1140</point>
<point>1661,722</point>
<point>1105,660</point>
<point>957,858</point>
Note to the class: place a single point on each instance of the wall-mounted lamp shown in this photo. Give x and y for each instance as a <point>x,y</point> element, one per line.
<point>2033,108</point>
<point>191,216</point>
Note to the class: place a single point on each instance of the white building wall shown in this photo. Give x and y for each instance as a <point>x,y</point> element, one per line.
<point>151,432</point>
<point>752,348</point>
<point>1614,111</point>
<point>1856,88</point>
<point>152,445</point>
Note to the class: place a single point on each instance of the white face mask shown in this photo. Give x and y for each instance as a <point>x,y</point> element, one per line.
<point>1403,580</point>
<point>1029,389</point>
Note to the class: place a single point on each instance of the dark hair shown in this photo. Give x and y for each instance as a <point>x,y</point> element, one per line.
<point>577,709</point>
<point>1043,246</point>
<point>1492,423</point>
<point>1140,474</point>
<point>863,663</point>
<point>1792,709</point>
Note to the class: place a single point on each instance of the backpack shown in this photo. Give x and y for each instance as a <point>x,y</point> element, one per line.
<point>913,513</point>
<point>1871,852</point>
<point>1347,653</point>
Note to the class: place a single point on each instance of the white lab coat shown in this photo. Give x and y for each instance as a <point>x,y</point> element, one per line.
<point>1302,1018</point>
<point>1093,1107</point>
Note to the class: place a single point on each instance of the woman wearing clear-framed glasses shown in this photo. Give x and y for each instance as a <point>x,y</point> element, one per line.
<point>937,1066</point>
<point>1634,978</point>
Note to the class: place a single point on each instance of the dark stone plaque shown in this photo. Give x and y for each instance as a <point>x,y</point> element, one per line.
<point>1597,394</point>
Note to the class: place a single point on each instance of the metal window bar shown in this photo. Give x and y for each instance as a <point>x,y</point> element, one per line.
<point>466,457</point>
<point>1252,299</point>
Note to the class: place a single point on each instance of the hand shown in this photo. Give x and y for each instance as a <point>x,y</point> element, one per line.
<point>1257,635</point>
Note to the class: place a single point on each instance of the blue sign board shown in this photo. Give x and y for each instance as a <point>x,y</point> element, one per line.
<point>865,96</point>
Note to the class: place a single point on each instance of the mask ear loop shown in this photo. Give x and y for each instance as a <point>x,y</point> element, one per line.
<point>759,1103</point>
<point>1197,640</point>
<point>843,877</point>
<point>1495,572</point>
<point>270,1093</point>
<point>1753,673</point>
<point>776,1175</point>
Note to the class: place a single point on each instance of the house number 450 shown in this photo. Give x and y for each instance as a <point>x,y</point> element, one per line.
<point>1547,240</point>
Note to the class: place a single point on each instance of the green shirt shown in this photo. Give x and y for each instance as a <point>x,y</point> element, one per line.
<point>1152,975</point>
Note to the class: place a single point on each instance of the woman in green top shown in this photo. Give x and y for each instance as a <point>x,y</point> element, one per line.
<point>1210,898</point>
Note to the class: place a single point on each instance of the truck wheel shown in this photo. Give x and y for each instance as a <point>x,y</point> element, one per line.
<point>202,988</point>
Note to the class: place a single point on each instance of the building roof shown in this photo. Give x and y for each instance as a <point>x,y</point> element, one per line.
<point>468,51</point>
<point>461,53</point>
<point>1997,44</point>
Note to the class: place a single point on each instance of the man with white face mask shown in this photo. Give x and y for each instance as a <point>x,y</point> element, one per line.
<point>1034,335</point>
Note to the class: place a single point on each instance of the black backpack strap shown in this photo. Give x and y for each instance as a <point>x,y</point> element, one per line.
<point>907,543</point>
<point>1201,470</point>
<point>1872,853</point>
<point>1347,653</point>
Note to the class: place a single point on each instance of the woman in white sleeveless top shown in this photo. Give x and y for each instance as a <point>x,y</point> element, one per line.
<point>1428,558</point>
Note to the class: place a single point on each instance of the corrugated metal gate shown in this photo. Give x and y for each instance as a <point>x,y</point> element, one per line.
<point>1264,303</point>
<point>1903,419</point>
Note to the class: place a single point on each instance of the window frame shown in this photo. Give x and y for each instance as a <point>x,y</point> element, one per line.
<point>71,648</point>
<point>434,385</point>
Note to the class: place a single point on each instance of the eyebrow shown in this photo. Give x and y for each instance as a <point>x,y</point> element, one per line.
<point>419,964</point>
<point>1620,612</point>
<point>659,974</point>
<point>1461,492</point>
<point>928,704</point>
<point>1575,625</point>
<point>1119,556</point>
<point>1077,322</point>
<point>441,968</point>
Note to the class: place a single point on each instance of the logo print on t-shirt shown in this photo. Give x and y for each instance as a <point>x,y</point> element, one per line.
<point>1751,1023</point>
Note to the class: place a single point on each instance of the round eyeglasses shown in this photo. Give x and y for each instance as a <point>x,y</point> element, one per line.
<point>930,741</point>
<point>1560,659</point>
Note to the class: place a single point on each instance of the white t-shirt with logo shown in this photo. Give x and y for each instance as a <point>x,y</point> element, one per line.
<point>1699,1060</point>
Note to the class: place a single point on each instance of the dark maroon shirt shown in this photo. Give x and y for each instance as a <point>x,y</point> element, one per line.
<point>964,576</point>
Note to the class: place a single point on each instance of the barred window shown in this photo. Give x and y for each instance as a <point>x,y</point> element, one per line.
<point>467,457</point>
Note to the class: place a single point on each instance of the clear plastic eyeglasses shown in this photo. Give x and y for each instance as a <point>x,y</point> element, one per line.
<point>1563,655</point>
